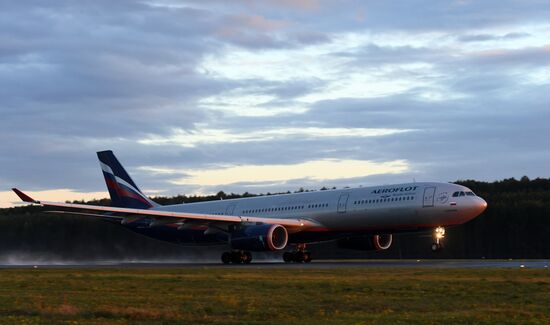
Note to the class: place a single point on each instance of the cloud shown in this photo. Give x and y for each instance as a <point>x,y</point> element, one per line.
<point>315,170</point>
<point>536,56</point>
<point>189,86</point>
<point>184,138</point>
<point>489,37</point>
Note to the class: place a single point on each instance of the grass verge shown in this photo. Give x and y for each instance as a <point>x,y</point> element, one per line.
<point>275,296</point>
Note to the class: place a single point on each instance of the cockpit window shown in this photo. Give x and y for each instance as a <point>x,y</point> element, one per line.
<point>461,193</point>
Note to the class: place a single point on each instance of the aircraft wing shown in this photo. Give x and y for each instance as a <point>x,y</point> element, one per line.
<point>163,216</point>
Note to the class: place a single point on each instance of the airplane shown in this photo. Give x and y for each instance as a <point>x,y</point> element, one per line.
<point>363,218</point>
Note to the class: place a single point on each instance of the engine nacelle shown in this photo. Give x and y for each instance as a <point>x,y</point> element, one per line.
<point>367,243</point>
<point>259,238</point>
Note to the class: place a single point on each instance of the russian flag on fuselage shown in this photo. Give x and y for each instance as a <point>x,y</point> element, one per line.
<point>122,189</point>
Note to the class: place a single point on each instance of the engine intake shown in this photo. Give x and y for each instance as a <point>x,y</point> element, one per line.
<point>259,238</point>
<point>367,243</point>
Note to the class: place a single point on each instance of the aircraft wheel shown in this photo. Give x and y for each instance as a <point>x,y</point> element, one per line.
<point>236,257</point>
<point>307,257</point>
<point>247,257</point>
<point>288,257</point>
<point>436,247</point>
<point>226,258</point>
<point>299,257</point>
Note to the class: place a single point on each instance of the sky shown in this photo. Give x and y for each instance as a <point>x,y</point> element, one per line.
<point>195,97</point>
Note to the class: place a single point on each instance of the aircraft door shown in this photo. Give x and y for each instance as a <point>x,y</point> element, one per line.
<point>229,210</point>
<point>342,203</point>
<point>429,194</point>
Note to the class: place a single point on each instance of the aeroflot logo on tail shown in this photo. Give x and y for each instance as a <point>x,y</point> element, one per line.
<point>394,189</point>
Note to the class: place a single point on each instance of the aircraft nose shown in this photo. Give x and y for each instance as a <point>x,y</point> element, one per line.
<point>480,205</point>
<point>473,208</point>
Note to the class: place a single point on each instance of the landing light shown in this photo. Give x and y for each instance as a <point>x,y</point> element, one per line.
<point>439,232</point>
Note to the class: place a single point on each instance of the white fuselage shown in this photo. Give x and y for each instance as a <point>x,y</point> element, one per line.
<point>378,209</point>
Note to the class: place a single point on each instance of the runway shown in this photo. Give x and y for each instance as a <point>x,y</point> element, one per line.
<point>319,264</point>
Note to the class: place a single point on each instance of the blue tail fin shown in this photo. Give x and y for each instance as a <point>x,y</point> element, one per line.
<point>122,189</point>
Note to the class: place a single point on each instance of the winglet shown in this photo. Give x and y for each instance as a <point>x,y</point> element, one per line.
<point>24,196</point>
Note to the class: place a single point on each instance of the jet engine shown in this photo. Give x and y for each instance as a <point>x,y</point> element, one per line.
<point>259,238</point>
<point>367,243</point>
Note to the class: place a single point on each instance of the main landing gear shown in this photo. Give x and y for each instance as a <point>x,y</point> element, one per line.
<point>300,255</point>
<point>439,234</point>
<point>237,257</point>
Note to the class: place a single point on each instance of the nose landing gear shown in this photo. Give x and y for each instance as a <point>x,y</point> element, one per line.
<point>300,255</point>
<point>439,234</point>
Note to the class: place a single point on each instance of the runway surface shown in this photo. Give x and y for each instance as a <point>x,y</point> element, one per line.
<point>320,264</point>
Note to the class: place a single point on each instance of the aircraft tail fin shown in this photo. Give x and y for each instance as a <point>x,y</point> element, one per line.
<point>122,189</point>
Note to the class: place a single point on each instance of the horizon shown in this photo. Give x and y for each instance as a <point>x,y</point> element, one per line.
<point>36,195</point>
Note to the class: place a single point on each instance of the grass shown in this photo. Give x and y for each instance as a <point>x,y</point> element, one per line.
<point>274,296</point>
